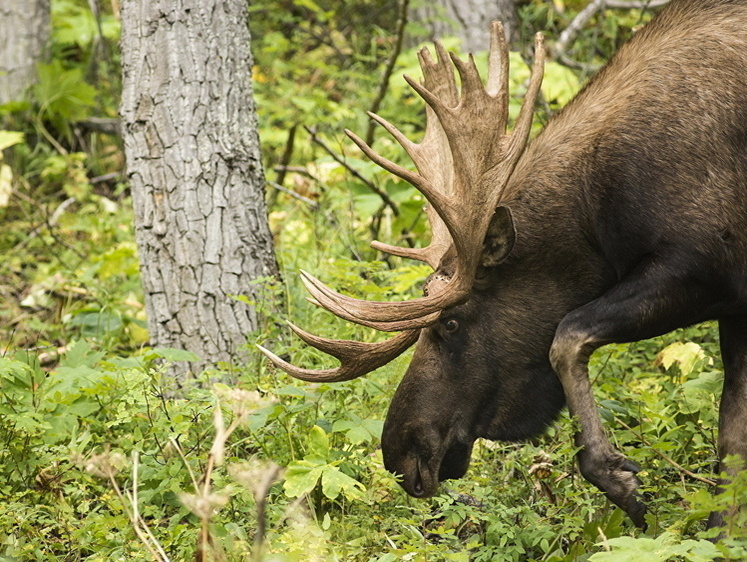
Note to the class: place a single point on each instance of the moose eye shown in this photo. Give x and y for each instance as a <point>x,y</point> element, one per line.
<point>451,326</point>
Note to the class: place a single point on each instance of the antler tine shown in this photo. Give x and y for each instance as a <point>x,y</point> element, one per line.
<point>524,121</point>
<point>383,316</point>
<point>498,66</point>
<point>497,60</point>
<point>431,254</point>
<point>356,358</point>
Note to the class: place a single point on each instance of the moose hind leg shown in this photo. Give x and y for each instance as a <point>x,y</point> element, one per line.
<point>732,427</point>
<point>650,301</point>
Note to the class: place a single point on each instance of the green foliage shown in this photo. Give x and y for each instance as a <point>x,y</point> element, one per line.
<point>63,96</point>
<point>664,547</point>
<point>86,422</point>
<point>301,477</point>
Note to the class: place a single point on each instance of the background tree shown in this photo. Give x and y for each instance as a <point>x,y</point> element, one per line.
<point>193,163</point>
<point>467,19</point>
<point>24,32</point>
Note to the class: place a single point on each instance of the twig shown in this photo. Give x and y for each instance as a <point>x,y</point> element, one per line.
<point>282,168</point>
<point>105,177</point>
<point>389,68</point>
<point>310,202</point>
<point>381,193</point>
<point>50,222</point>
<point>106,125</point>
<point>676,465</point>
<point>296,170</point>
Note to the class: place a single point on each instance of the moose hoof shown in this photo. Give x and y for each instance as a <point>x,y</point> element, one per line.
<point>616,477</point>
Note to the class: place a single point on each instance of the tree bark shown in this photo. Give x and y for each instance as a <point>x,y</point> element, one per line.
<point>190,134</point>
<point>24,32</point>
<point>467,19</point>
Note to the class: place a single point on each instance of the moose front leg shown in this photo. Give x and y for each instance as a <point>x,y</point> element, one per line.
<point>598,460</point>
<point>647,303</point>
<point>732,427</point>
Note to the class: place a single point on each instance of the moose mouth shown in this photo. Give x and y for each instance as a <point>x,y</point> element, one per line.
<point>421,477</point>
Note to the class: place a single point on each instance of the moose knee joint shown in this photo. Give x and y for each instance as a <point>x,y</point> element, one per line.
<point>570,347</point>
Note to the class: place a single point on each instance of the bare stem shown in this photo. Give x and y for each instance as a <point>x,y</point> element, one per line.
<point>138,524</point>
<point>676,465</point>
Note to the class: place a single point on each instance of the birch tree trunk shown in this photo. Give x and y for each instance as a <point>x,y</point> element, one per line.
<point>467,19</point>
<point>193,162</point>
<point>24,32</point>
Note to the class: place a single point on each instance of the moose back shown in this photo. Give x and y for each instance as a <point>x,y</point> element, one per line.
<point>625,218</point>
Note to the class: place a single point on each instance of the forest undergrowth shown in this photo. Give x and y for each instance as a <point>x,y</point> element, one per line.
<point>99,462</point>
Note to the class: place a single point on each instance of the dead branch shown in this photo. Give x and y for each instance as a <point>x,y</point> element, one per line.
<point>569,33</point>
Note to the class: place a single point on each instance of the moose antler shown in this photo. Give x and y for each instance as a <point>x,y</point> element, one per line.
<point>463,165</point>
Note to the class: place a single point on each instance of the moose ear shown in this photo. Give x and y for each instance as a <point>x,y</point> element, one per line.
<point>500,238</point>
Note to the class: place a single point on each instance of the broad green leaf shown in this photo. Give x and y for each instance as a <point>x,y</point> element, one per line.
<point>9,138</point>
<point>81,354</point>
<point>318,444</point>
<point>301,477</point>
<point>13,370</point>
<point>685,355</point>
<point>335,482</point>
<point>171,354</point>
<point>559,83</point>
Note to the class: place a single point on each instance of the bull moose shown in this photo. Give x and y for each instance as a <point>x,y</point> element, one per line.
<point>624,219</point>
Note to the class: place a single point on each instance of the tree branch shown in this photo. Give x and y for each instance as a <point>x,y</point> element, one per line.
<point>380,192</point>
<point>569,33</point>
<point>310,202</point>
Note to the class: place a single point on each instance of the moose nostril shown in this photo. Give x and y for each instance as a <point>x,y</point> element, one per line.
<point>417,487</point>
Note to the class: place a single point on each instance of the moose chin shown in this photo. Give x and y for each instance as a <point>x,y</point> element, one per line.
<point>624,219</point>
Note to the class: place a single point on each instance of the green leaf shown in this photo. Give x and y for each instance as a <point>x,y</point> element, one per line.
<point>81,354</point>
<point>9,138</point>
<point>15,371</point>
<point>171,354</point>
<point>559,83</point>
<point>318,444</point>
<point>685,355</point>
<point>301,477</point>
<point>665,547</point>
<point>335,482</point>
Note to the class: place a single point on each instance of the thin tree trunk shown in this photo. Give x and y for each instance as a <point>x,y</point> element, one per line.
<point>24,32</point>
<point>467,19</point>
<point>193,162</point>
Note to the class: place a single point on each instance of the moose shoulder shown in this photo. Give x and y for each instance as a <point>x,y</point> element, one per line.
<point>625,218</point>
